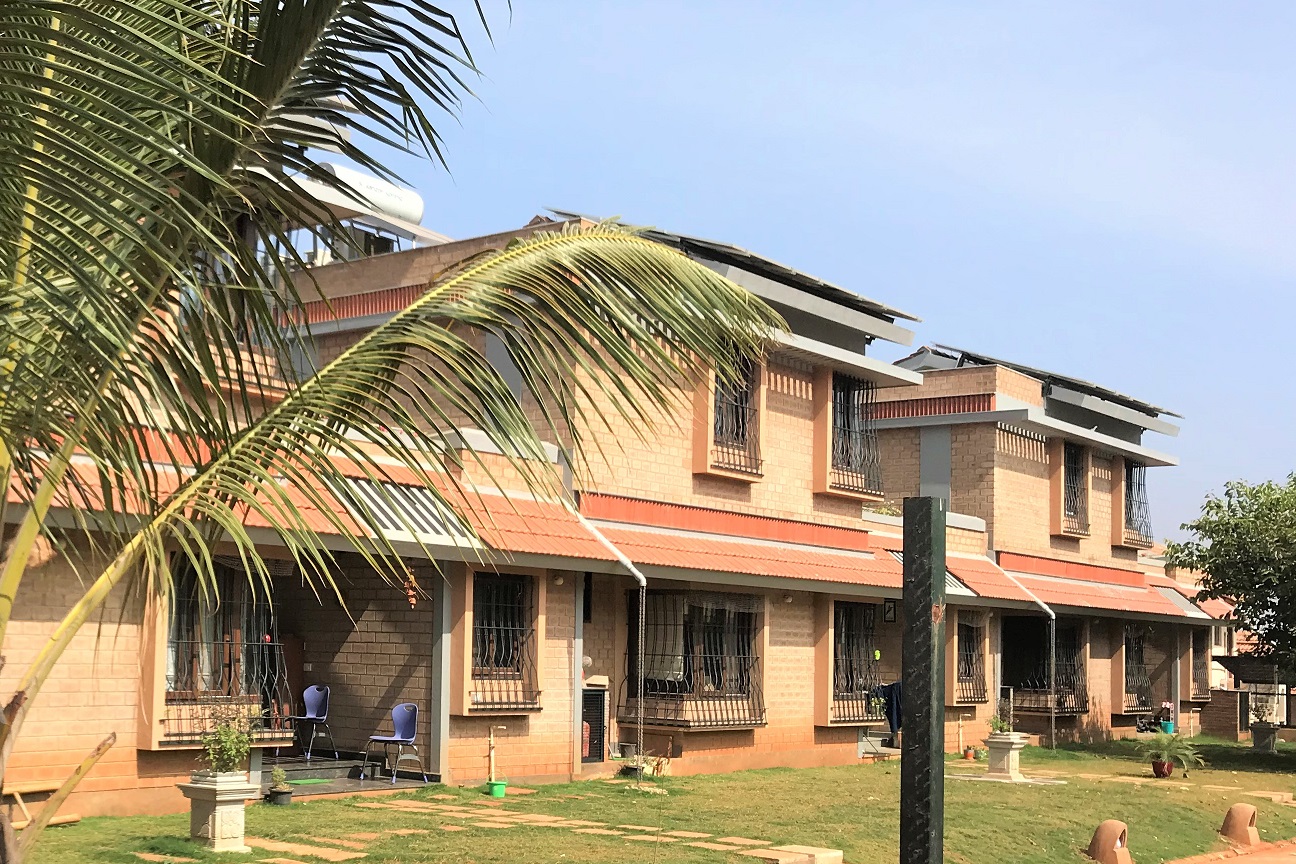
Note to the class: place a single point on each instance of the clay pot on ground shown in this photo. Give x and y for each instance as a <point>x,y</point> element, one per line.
<point>1162,769</point>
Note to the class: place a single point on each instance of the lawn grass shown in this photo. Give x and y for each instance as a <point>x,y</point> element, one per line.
<point>853,808</point>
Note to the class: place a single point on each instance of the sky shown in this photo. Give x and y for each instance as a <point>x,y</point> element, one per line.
<point>1100,189</point>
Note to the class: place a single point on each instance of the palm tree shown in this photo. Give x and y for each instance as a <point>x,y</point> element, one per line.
<point>150,150</point>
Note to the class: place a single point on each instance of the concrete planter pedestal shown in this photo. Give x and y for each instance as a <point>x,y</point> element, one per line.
<point>216,808</point>
<point>1264,737</point>
<point>1005,755</point>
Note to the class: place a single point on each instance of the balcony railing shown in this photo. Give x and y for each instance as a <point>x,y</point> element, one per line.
<point>700,666</point>
<point>1201,661</point>
<point>736,433</point>
<point>209,683</point>
<point>970,687</point>
<point>1075,498</point>
<point>1069,694</point>
<point>1138,515</point>
<point>1138,683</point>
<point>857,680</point>
<point>856,456</point>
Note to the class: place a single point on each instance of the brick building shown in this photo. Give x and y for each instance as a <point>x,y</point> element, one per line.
<point>769,625</point>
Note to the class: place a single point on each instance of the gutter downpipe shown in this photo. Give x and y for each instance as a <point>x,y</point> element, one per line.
<point>1052,656</point>
<point>639,577</point>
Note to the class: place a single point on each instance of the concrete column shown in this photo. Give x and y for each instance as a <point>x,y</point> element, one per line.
<point>439,751</point>
<point>922,758</point>
<point>578,671</point>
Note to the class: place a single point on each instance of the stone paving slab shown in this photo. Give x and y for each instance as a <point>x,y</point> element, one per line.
<point>742,841</point>
<point>303,849</point>
<point>518,790</point>
<point>777,856</point>
<point>716,847</point>
<point>493,824</point>
<point>818,854</point>
<point>640,827</point>
<point>603,831</point>
<point>364,835</point>
<point>651,838</point>
<point>345,844</point>
<point>162,859</point>
<point>278,861</point>
<point>687,835</point>
<point>405,831</point>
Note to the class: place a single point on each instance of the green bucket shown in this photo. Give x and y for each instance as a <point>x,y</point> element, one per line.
<point>495,788</point>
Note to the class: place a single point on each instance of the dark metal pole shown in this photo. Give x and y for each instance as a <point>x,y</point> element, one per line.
<point>1052,683</point>
<point>922,684</point>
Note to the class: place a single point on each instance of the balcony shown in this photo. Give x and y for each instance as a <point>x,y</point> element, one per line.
<point>211,683</point>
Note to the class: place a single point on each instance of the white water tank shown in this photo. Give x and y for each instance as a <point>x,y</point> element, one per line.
<point>379,196</point>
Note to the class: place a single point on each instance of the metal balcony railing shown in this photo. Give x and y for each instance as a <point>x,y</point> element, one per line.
<point>1138,683</point>
<point>1138,515</point>
<point>1075,496</point>
<point>504,643</point>
<point>227,681</point>
<point>1070,692</point>
<point>736,433</point>
<point>856,677</point>
<point>856,456</point>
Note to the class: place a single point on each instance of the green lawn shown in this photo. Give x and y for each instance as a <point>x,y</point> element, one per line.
<point>853,808</point>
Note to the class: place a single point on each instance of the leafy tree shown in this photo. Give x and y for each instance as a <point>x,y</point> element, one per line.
<point>149,155</point>
<point>1244,545</point>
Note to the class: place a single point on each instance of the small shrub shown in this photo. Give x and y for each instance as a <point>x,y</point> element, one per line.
<point>999,724</point>
<point>226,747</point>
<point>279,780</point>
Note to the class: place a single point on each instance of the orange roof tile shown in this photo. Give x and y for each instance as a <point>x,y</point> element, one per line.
<point>1057,591</point>
<point>717,553</point>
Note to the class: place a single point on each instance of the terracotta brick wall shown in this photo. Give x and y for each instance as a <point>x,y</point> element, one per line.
<point>972,471</point>
<point>536,746</point>
<point>900,463</point>
<point>93,691</point>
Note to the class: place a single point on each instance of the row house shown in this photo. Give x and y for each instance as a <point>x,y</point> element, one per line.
<point>723,593</point>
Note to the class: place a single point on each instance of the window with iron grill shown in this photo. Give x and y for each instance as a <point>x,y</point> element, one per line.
<point>1075,502</point>
<point>971,659</point>
<point>503,642</point>
<point>1026,666</point>
<point>700,668</point>
<point>1201,661</point>
<point>1138,683</point>
<point>856,679</point>
<point>856,459</point>
<point>224,659</point>
<point>1138,516</point>
<point>736,434</point>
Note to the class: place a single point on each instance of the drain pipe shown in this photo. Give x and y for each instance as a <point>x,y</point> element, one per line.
<point>1052,656</point>
<point>639,577</point>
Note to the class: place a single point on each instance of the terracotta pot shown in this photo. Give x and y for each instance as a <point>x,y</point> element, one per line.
<point>1162,769</point>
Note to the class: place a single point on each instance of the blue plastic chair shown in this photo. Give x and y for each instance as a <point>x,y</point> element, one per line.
<point>316,700</point>
<point>405,722</point>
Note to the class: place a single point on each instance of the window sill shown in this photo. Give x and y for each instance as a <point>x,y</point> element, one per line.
<point>839,492</point>
<point>731,474</point>
<point>1073,533</point>
<point>1134,543</point>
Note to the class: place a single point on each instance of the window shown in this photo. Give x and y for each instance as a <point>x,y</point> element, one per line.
<point>1201,662</point>
<point>856,462</point>
<point>503,642</point>
<point>1138,518</point>
<point>1221,637</point>
<point>587,599</point>
<point>1075,502</point>
<point>224,660</point>
<point>1026,665</point>
<point>971,658</point>
<point>736,425</point>
<point>1138,684</point>
<point>700,662</point>
<point>856,678</point>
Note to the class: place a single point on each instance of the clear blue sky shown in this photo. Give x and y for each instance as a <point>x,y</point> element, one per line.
<point>1105,190</point>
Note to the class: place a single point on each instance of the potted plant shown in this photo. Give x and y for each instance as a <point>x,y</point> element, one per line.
<point>1166,749</point>
<point>218,791</point>
<point>1005,748</point>
<point>280,793</point>
<point>1264,732</point>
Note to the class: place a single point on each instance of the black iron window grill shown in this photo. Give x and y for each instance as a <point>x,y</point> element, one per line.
<point>225,663</point>
<point>1138,683</point>
<point>1201,663</point>
<point>856,457</point>
<point>1138,516</point>
<point>971,683</point>
<point>1026,669</point>
<point>856,679</point>
<point>1075,495</point>
<point>701,668</point>
<point>736,433</point>
<point>503,643</point>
